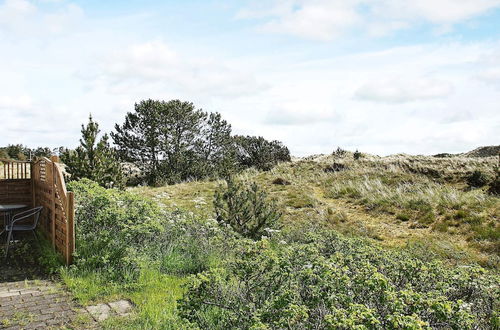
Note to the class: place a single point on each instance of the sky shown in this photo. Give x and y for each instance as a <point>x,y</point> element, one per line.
<point>381,76</point>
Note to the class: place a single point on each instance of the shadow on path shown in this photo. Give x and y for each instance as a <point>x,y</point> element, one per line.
<point>29,297</point>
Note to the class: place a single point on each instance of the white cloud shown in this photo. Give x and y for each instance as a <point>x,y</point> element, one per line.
<point>491,75</point>
<point>322,21</point>
<point>157,63</point>
<point>440,11</point>
<point>401,90</point>
<point>20,102</point>
<point>327,19</point>
<point>15,13</point>
<point>23,18</point>
<point>489,68</point>
<point>300,113</point>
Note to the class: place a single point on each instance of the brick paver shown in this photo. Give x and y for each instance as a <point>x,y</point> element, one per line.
<point>30,299</point>
<point>35,304</point>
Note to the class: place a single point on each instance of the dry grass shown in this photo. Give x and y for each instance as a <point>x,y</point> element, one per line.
<point>394,200</point>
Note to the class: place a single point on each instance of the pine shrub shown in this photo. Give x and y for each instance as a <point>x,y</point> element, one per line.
<point>245,208</point>
<point>477,179</point>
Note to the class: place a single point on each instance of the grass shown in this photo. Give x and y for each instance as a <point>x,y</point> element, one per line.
<point>90,287</point>
<point>391,199</point>
<point>156,301</point>
<point>154,294</point>
<point>18,318</point>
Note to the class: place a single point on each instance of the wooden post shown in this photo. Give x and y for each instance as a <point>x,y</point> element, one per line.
<point>70,228</point>
<point>33,187</point>
<point>53,205</point>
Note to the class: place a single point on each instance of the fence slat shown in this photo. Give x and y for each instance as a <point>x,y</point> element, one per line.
<point>50,191</point>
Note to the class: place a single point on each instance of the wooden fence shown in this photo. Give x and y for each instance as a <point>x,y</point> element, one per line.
<point>41,183</point>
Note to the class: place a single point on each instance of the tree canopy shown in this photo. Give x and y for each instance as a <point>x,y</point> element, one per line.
<point>94,158</point>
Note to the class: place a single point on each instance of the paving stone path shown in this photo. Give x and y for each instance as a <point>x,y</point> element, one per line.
<point>35,304</point>
<point>30,299</point>
<point>102,312</point>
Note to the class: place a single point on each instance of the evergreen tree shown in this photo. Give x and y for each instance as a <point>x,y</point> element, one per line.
<point>4,154</point>
<point>259,152</point>
<point>17,151</point>
<point>216,150</point>
<point>173,141</point>
<point>139,138</point>
<point>94,158</point>
<point>245,208</point>
<point>181,133</point>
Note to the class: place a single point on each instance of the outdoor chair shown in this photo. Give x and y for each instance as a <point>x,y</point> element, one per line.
<point>12,226</point>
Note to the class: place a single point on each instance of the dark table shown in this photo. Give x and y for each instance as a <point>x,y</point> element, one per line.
<point>7,210</point>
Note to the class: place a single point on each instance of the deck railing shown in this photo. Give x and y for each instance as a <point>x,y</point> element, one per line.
<point>14,169</point>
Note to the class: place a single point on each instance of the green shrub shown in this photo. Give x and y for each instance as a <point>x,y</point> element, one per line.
<point>112,228</point>
<point>403,217</point>
<point>477,179</point>
<point>281,182</point>
<point>357,155</point>
<point>495,185</point>
<point>339,153</point>
<point>189,245</point>
<point>253,151</point>
<point>245,208</point>
<point>331,282</point>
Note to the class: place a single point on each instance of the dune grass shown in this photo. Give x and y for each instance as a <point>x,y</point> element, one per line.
<point>392,199</point>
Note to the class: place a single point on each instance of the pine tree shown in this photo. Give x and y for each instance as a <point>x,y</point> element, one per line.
<point>245,208</point>
<point>259,152</point>
<point>173,141</point>
<point>94,159</point>
<point>216,148</point>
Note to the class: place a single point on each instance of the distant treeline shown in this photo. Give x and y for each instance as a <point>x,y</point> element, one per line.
<point>21,152</point>
<point>169,142</point>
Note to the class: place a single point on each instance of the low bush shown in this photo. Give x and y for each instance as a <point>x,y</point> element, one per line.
<point>281,182</point>
<point>477,179</point>
<point>336,167</point>
<point>495,185</point>
<point>112,229</point>
<point>328,281</point>
<point>119,232</point>
<point>339,153</point>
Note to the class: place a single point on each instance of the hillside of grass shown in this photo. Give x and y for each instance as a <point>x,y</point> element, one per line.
<point>395,200</point>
